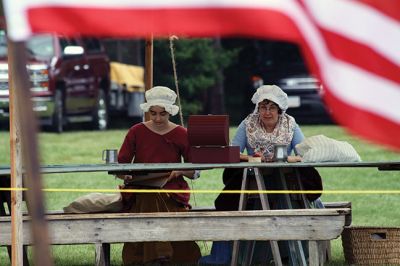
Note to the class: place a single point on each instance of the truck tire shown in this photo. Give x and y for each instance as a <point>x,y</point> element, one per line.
<point>57,123</point>
<point>100,114</point>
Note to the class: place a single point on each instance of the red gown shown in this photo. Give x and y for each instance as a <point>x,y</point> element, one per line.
<point>145,146</point>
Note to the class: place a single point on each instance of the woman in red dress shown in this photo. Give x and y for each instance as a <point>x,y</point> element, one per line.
<point>158,141</point>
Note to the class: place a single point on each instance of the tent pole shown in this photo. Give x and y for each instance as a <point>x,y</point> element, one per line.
<point>148,74</point>
<point>16,173</point>
<point>28,127</point>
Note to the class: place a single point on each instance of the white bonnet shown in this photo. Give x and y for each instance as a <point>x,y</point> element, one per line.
<point>160,96</point>
<point>272,93</point>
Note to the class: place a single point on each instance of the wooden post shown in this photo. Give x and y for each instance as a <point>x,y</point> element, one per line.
<point>148,74</point>
<point>16,172</point>
<point>28,127</point>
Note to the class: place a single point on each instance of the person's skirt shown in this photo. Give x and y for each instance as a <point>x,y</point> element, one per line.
<point>139,253</point>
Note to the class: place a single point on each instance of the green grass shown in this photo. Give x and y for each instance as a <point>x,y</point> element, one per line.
<point>76,147</point>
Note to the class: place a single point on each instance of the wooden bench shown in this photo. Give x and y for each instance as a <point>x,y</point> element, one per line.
<point>103,229</point>
<point>325,248</point>
<point>341,205</point>
<point>327,205</point>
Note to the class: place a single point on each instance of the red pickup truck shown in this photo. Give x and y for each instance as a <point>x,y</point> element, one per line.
<point>70,80</point>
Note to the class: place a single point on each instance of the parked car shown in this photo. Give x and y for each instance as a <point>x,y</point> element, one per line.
<point>70,80</point>
<point>281,63</point>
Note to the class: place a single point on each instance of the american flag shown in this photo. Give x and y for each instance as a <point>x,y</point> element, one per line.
<point>353,46</point>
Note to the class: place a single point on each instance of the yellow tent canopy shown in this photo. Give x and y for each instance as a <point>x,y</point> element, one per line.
<point>128,75</point>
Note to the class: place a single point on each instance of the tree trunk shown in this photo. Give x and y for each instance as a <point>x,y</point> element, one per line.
<point>215,101</point>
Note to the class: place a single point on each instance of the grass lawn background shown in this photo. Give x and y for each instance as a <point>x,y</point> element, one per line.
<point>75,147</point>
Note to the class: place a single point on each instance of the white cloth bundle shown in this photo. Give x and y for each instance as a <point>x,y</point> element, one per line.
<point>323,149</point>
<point>95,202</point>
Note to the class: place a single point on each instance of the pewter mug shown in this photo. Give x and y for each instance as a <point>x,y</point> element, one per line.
<point>280,152</point>
<point>110,156</point>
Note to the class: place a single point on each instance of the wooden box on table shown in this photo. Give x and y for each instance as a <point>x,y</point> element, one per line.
<point>209,140</point>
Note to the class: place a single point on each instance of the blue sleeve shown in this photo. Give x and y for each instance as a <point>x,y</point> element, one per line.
<point>240,138</point>
<point>297,138</point>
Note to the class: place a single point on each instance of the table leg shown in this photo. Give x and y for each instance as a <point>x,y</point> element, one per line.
<point>248,258</point>
<point>265,206</point>
<point>323,246</point>
<point>295,247</point>
<point>243,196</point>
<point>313,253</point>
<point>306,202</point>
<point>242,206</point>
<point>102,254</point>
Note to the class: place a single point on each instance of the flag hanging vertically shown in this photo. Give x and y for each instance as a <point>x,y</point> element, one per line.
<point>353,46</point>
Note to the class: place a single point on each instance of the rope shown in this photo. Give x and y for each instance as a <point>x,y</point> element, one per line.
<point>171,47</point>
<point>172,50</point>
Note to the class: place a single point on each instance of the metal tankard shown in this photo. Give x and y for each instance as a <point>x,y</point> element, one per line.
<point>280,152</point>
<point>110,156</point>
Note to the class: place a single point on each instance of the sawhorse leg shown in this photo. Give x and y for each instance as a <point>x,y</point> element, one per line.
<point>313,253</point>
<point>295,247</point>
<point>323,247</point>
<point>265,206</point>
<point>102,254</point>
<point>242,206</point>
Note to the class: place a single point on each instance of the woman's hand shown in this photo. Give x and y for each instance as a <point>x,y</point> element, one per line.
<point>267,158</point>
<point>125,177</point>
<point>175,174</point>
<point>294,159</point>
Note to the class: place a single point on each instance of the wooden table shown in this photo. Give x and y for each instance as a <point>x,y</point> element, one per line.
<point>74,168</point>
<point>295,246</point>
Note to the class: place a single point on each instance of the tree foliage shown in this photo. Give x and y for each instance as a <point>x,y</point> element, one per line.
<point>198,63</point>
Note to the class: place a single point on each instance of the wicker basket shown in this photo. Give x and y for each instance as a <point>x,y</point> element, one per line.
<point>371,245</point>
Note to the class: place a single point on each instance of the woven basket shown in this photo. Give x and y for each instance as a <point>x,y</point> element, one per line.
<point>371,245</point>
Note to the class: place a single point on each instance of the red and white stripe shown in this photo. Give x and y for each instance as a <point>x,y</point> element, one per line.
<point>361,65</point>
<point>195,18</point>
<point>351,45</point>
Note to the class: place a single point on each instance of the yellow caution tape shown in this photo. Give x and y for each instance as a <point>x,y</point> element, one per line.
<point>208,191</point>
